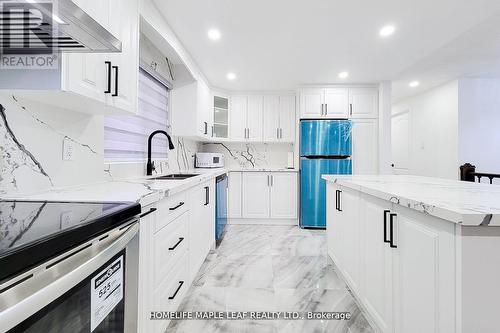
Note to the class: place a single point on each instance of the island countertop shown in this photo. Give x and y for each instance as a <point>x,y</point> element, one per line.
<point>466,203</point>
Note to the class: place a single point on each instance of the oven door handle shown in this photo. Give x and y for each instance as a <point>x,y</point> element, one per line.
<point>25,299</point>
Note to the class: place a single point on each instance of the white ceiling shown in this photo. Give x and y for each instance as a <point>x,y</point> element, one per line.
<point>280,44</point>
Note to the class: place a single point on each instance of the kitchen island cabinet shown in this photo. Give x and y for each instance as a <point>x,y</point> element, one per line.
<point>417,252</point>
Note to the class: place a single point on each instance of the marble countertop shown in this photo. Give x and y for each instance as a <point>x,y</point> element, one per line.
<point>466,203</point>
<point>142,190</point>
<point>262,170</point>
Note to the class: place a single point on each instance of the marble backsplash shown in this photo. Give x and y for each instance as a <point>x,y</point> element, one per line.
<point>252,155</point>
<point>31,140</point>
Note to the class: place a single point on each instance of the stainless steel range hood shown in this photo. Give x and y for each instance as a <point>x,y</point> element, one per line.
<point>38,27</point>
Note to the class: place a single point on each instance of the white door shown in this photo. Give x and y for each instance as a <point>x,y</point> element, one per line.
<point>254,118</point>
<point>238,118</point>
<point>350,231</point>
<point>271,116</point>
<point>363,102</point>
<point>333,224</point>
<point>424,274</point>
<point>311,102</point>
<point>127,61</point>
<point>284,195</point>
<point>365,147</point>
<point>255,195</point>
<point>234,195</point>
<point>376,256</point>
<point>400,142</point>
<point>287,118</point>
<point>337,102</point>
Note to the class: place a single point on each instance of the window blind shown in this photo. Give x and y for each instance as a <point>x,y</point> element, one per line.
<point>125,137</point>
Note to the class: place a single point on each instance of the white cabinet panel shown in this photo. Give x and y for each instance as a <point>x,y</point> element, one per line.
<point>287,118</point>
<point>271,118</point>
<point>283,195</point>
<point>234,197</point>
<point>365,147</point>
<point>238,118</point>
<point>254,118</point>
<point>337,102</point>
<point>311,103</point>
<point>376,256</point>
<point>255,195</point>
<point>363,102</point>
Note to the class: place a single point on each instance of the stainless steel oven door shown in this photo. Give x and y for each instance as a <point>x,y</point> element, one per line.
<point>91,288</point>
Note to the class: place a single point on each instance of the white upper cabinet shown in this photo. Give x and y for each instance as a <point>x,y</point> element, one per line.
<point>338,103</point>
<point>254,118</point>
<point>279,118</point>
<point>246,118</point>
<point>192,114</point>
<point>363,102</point>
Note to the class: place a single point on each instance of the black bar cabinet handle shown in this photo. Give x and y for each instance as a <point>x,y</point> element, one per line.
<point>337,200</point>
<point>148,212</point>
<point>177,290</point>
<point>108,64</point>
<point>391,230</point>
<point>179,205</point>
<point>207,195</point>
<point>206,127</point>
<point>116,81</point>
<point>340,200</point>
<point>176,244</point>
<point>385,226</point>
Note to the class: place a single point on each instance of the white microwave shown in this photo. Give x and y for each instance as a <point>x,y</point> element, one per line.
<point>209,160</point>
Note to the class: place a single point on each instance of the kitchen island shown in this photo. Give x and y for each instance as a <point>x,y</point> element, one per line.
<point>420,254</point>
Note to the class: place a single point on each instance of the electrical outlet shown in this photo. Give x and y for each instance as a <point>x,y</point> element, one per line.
<point>68,150</point>
<point>66,218</point>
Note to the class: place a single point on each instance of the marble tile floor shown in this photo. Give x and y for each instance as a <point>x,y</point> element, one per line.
<point>270,268</point>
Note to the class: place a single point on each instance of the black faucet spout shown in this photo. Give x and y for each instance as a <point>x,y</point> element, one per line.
<point>150,165</point>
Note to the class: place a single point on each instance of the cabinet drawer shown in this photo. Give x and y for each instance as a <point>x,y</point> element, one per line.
<point>171,208</point>
<point>170,243</point>
<point>171,291</point>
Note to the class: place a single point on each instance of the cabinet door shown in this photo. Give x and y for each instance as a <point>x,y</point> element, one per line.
<point>350,252</point>
<point>365,147</point>
<point>424,274</point>
<point>254,118</point>
<point>271,118</point>
<point>255,195</point>
<point>311,102</point>
<point>204,111</point>
<point>337,102</point>
<point>333,224</point>
<point>376,260</point>
<point>284,195</point>
<point>238,118</point>
<point>234,196</point>
<point>287,118</point>
<point>127,61</point>
<point>363,102</point>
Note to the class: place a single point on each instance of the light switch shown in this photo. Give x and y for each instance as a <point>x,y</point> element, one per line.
<point>68,150</point>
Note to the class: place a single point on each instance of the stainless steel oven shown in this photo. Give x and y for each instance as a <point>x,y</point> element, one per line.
<point>91,287</point>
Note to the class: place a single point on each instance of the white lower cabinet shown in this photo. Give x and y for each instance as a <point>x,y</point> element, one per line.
<point>176,235</point>
<point>399,263</point>
<point>234,195</point>
<point>268,195</point>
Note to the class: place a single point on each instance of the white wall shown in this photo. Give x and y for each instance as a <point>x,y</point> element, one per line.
<point>433,131</point>
<point>479,124</point>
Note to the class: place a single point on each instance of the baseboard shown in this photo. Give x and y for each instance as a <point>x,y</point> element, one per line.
<point>264,221</point>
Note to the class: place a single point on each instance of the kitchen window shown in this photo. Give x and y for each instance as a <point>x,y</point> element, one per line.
<point>125,137</point>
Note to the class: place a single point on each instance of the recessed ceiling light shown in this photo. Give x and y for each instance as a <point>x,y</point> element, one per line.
<point>231,76</point>
<point>387,30</point>
<point>214,34</point>
<point>414,84</point>
<point>343,75</point>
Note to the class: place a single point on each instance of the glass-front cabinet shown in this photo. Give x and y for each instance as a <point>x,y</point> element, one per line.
<point>221,116</point>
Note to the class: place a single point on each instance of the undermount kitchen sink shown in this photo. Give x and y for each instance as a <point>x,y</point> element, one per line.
<point>176,176</point>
